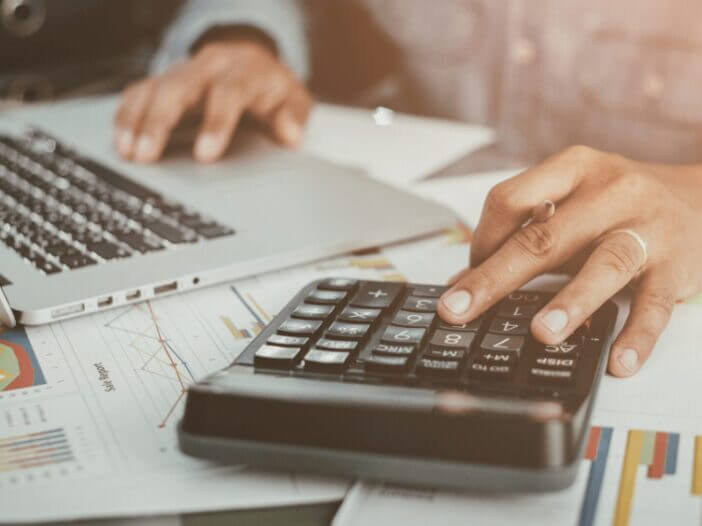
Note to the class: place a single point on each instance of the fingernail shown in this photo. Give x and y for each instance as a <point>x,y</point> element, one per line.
<point>458,301</point>
<point>207,147</point>
<point>144,148</point>
<point>629,359</point>
<point>291,131</point>
<point>555,320</point>
<point>125,140</point>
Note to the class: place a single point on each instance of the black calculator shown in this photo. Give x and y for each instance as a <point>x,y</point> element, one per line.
<point>363,379</point>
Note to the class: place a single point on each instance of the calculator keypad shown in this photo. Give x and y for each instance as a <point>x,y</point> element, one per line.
<point>365,331</point>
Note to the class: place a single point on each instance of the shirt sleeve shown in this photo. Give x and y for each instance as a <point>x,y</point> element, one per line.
<point>281,20</point>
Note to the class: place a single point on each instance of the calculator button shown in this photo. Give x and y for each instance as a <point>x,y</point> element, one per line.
<point>420,304</point>
<point>445,354</point>
<point>484,371</point>
<point>354,331</point>
<point>377,295</point>
<point>556,376</point>
<point>270,356</point>
<point>336,345</point>
<point>497,358</point>
<point>402,335</point>
<point>328,360</point>
<point>428,291</point>
<point>517,310</point>
<point>413,319</point>
<point>390,349</point>
<point>299,327</point>
<point>507,326</point>
<point>526,296</point>
<point>428,367</point>
<point>326,297</point>
<point>359,315</point>
<point>452,340</point>
<point>288,341</point>
<point>568,347</point>
<point>471,326</point>
<point>386,364</point>
<point>495,342</point>
<point>314,312</point>
<point>338,284</point>
<point>555,362</point>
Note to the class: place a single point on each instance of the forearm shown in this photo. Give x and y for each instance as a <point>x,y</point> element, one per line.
<point>281,22</point>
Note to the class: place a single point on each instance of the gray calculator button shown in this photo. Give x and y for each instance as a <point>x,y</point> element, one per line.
<point>402,335</point>
<point>271,356</point>
<point>391,349</point>
<point>555,376</point>
<point>416,304</point>
<point>500,342</point>
<point>338,284</point>
<point>517,310</point>
<point>313,312</point>
<point>336,345</point>
<point>471,326</point>
<point>443,368</point>
<point>300,327</point>
<point>376,295</point>
<point>452,339</point>
<point>413,319</point>
<point>359,315</point>
<point>287,341</point>
<point>445,354</point>
<point>326,297</point>
<point>555,362</point>
<point>385,364</point>
<point>317,357</point>
<point>514,326</point>
<point>348,330</point>
<point>428,291</point>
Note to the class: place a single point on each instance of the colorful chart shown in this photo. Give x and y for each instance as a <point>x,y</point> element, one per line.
<point>655,449</point>
<point>19,367</point>
<point>34,450</point>
<point>259,314</point>
<point>596,450</point>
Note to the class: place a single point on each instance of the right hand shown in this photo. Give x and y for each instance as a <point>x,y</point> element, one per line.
<point>231,78</point>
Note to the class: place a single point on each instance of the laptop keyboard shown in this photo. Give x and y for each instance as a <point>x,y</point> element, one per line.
<point>61,211</point>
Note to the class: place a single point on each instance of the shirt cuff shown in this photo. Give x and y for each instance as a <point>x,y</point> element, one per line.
<point>281,21</point>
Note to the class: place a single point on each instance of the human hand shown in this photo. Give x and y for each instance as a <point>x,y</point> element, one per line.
<point>231,77</point>
<point>598,194</point>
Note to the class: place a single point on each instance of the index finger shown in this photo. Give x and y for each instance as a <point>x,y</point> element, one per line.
<point>509,203</point>
<point>532,250</point>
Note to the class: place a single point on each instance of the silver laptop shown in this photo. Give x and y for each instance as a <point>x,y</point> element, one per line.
<point>82,231</point>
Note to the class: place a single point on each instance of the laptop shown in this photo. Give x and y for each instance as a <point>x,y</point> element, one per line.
<point>82,231</point>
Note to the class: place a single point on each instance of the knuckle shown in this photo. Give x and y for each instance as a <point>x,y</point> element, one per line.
<point>484,279</point>
<point>658,301</point>
<point>500,200</point>
<point>581,152</point>
<point>537,240</point>
<point>621,257</point>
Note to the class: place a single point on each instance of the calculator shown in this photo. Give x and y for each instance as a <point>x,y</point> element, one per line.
<point>363,379</point>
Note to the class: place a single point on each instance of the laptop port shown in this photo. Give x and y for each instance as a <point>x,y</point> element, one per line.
<point>104,302</point>
<point>166,287</point>
<point>67,310</point>
<point>133,295</point>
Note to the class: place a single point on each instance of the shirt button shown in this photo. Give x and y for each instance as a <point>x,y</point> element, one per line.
<point>523,52</point>
<point>652,86</point>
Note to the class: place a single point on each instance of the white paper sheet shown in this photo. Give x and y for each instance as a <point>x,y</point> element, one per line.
<point>394,148</point>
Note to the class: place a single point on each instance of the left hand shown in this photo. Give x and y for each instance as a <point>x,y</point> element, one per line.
<point>597,194</point>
